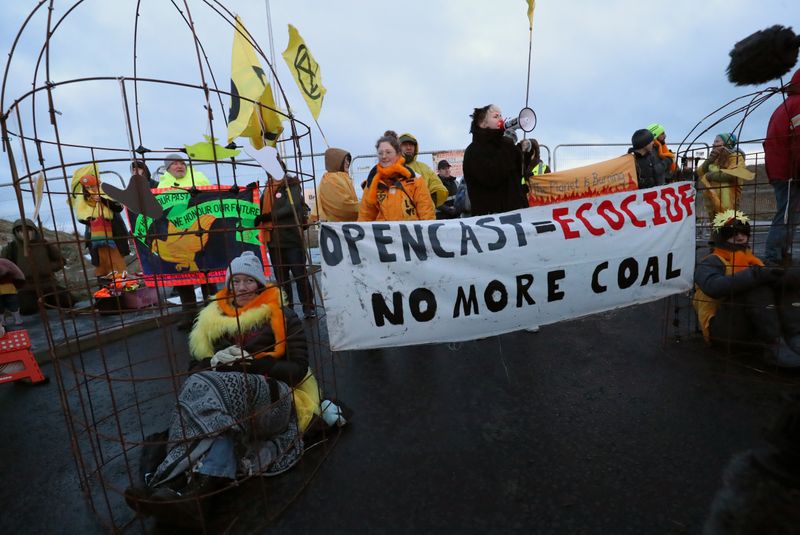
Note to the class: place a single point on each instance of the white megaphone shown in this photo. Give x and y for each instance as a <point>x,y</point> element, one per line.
<point>525,121</point>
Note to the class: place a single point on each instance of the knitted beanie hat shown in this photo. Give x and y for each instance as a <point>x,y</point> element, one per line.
<point>728,139</point>
<point>641,138</point>
<point>246,264</point>
<point>174,157</point>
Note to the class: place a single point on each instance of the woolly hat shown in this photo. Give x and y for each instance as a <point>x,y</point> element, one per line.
<point>726,224</point>
<point>656,129</point>
<point>641,138</point>
<point>728,139</point>
<point>246,264</point>
<point>174,157</point>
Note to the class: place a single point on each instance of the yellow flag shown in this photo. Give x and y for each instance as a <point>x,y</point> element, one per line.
<point>249,81</point>
<point>531,5</point>
<point>305,70</point>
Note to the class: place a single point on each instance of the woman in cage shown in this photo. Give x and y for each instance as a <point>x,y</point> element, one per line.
<point>252,396</point>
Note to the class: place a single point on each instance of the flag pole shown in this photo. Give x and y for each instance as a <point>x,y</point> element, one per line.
<point>530,49</point>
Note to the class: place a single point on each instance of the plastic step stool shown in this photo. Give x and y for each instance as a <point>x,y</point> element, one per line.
<point>15,349</point>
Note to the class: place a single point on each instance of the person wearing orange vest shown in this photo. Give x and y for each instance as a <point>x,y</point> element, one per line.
<point>737,298</point>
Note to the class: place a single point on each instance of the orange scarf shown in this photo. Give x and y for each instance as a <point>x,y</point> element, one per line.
<point>271,296</point>
<point>396,171</point>
<point>664,152</point>
<point>738,260</point>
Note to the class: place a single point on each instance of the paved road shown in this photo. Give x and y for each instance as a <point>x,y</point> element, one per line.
<point>590,426</point>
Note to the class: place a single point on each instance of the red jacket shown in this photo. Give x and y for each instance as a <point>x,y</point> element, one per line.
<point>782,145</point>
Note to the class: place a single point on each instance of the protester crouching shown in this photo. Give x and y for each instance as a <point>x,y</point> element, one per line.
<point>742,304</point>
<point>39,264</point>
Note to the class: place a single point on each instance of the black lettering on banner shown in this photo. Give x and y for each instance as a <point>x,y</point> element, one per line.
<point>331,246</point>
<point>650,271</point>
<point>516,221</point>
<point>671,273</point>
<point>351,240</point>
<point>381,312</point>
<point>596,286</point>
<point>523,283</point>
<point>544,226</point>
<point>436,245</point>
<point>416,300</point>
<point>381,241</point>
<point>488,296</point>
<point>501,236</point>
<point>414,243</point>
<point>627,273</point>
<point>466,303</point>
<point>467,236</point>
<point>553,292</point>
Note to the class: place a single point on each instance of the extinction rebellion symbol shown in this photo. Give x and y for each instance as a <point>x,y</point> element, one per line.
<point>307,73</point>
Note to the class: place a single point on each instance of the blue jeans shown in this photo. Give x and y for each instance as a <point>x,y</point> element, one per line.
<point>220,461</point>
<point>779,239</point>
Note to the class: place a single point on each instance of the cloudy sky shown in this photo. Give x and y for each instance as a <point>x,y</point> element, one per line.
<point>600,70</point>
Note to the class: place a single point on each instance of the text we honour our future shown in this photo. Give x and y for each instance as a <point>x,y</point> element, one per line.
<point>396,242</point>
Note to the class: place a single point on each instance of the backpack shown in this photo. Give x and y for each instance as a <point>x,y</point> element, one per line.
<point>461,203</point>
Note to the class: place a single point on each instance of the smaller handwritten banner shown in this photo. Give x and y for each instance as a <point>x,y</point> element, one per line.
<point>198,235</point>
<point>600,178</point>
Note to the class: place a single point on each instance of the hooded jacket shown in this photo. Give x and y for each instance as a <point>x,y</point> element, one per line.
<point>278,212</point>
<point>722,178</point>
<point>336,196</point>
<point>44,259</point>
<point>396,194</point>
<point>437,189</point>
<point>493,172</point>
<point>782,143</point>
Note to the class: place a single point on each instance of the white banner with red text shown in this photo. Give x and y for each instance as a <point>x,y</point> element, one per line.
<point>398,283</point>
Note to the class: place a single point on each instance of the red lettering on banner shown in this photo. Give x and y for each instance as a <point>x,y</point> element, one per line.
<point>579,214</point>
<point>650,197</point>
<point>607,207</point>
<point>558,217</point>
<point>686,200</point>
<point>668,204</point>
<point>635,221</point>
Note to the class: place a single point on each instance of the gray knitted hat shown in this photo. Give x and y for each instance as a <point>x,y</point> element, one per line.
<point>246,264</point>
<point>174,157</point>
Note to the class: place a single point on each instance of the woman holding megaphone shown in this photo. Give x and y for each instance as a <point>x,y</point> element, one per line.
<point>493,165</point>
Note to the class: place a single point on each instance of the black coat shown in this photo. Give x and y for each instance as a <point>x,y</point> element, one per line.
<point>286,233</point>
<point>493,172</point>
<point>651,171</point>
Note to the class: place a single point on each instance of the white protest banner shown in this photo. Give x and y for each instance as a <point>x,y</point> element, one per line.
<point>402,283</point>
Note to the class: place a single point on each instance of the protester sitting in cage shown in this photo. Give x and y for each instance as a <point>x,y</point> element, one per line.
<point>40,264</point>
<point>740,303</point>
<point>178,175</point>
<point>650,169</point>
<point>106,233</point>
<point>250,399</point>
<point>140,168</point>
<point>395,193</point>
<point>336,196</point>
<point>722,175</point>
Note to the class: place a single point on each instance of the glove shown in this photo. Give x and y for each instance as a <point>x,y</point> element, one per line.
<point>229,355</point>
<point>768,275</point>
<point>262,218</point>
